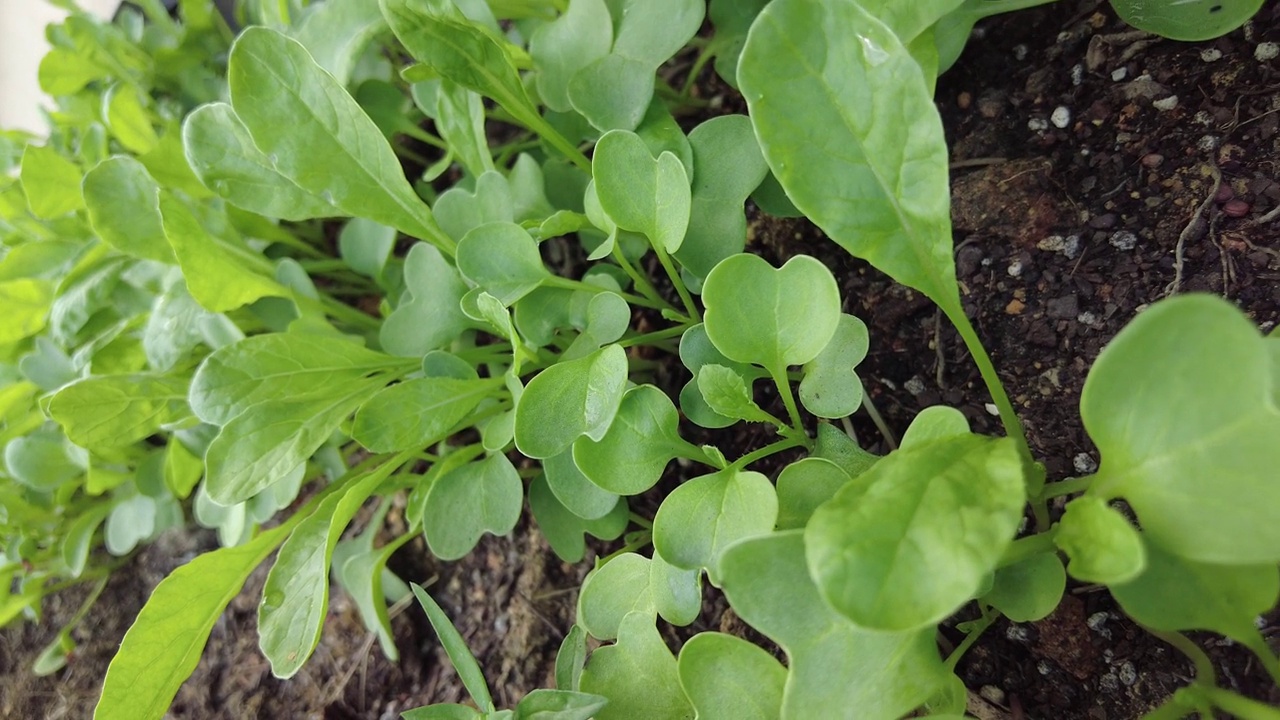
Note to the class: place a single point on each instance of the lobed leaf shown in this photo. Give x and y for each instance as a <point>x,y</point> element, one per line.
<point>633,453</point>
<point>707,514</point>
<point>464,503</point>
<point>569,400</point>
<point>638,674</point>
<point>728,678</point>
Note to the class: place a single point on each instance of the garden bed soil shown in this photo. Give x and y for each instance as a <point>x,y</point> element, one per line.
<point>1086,161</point>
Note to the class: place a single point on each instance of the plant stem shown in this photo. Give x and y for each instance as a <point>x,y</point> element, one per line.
<point>980,626</point>
<point>642,521</point>
<point>766,451</point>
<point>878,420</point>
<point>1008,417</point>
<point>1205,674</point>
<point>571,284</point>
<point>1240,706</point>
<point>641,282</point>
<point>1026,547</point>
<point>789,400</point>
<point>1069,486</point>
<point>652,339</point>
<point>1258,645</point>
<point>665,260</point>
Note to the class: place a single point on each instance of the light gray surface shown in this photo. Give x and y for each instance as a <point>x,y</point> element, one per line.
<point>22,44</point>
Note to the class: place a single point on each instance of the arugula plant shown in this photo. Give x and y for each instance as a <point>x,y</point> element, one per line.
<point>192,330</point>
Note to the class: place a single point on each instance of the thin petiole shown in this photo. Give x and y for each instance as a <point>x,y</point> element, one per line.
<point>869,405</point>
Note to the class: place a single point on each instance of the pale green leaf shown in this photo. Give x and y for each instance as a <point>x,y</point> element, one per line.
<point>638,675</point>
<point>1028,590</point>
<point>1189,20</point>
<point>677,593</point>
<point>119,410</point>
<point>560,48</point>
<point>633,453</point>
<point>641,193</point>
<point>336,33</point>
<point>805,485</point>
<point>50,181</point>
<point>502,259</point>
<point>26,304</point>
<point>429,316</point>
<point>463,504</point>
<point>418,412</point>
<point>707,514</point>
<point>728,678</point>
<point>129,120</point>
<point>456,647</point>
<point>612,591</point>
<point>124,208</point>
<point>831,388</point>
<point>1103,546</point>
<point>570,399</point>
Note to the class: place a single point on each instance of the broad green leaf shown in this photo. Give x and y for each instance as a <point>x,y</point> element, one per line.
<point>366,245</point>
<point>129,120</point>
<point>574,490</point>
<point>456,647</point>
<point>726,393</point>
<point>560,48</point>
<point>503,259</point>
<point>1103,547</point>
<point>570,658</point>
<point>803,486</point>
<point>64,71</point>
<point>544,704</point>
<point>295,598</point>
<point>256,449</point>
<point>1028,590</point>
<point>831,388</point>
<point>417,413</point>
<point>607,319</point>
<point>564,529</point>
<point>460,122</point>
<point>731,19</point>
<point>884,196</point>
<point>460,210</point>
<point>907,20</point>
<point>50,181</point>
<point>633,453</point>
<point>182,469</point>
<point>329,147</point>
<point>77,542</point>
<point>913,538</point>
<point>41,460</point>
<point>118,410</point>
<point>569,400</point>
<point>727,166</point>
<point>89,288</point>
<point>1174,594</point>
<point>728,678</point>
<point>677,593</point>
<point>222,154</point>
<point>661,133</point>
<point>124,208</point>
<point>167,164</point>
<point>707,514</point>
<point>641,193</point>
<point>46,259</point>
<point>26,304</point>
<point>165,642</point>
<point>769,316</point>
<point>1190,20</point>
<point>612,92</point>
<point>429,316</point>
<point>934,423</point>
<point>1186,431</point>
<point>214,270</point>
<point>637,674</point>
<point>612,591</point>
<point>463,504</point>
<point>884,675</point>
<point>336,33</point>
<point>278,366</point>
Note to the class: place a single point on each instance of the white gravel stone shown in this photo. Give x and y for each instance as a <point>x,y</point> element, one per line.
<point>1211,54</point>
<point>1123,240</point>
<point>1061,117</point>
<point>1119,74</point>
<point>1084,463</point>
<point>1165,104</point>
<point>915,385</point>
<point>1266,52</point>
<point>1015,268</point>
<point>1037,124</point>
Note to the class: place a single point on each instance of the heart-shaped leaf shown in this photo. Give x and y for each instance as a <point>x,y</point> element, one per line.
<point>564,529</point>
<point>640,193</point>
<point>460,210</point>
<point>429,315</point>
<point>1101,543</point>
<point>637,674</point>
<point>1190,20</point>
<point>569,400</point>
<point>1186,430</point>
<point>803,486</point>
<point>696,351</point>
<point>728,678</point>
<point>769,316</point>
<point>677,593</point>
<point>831,388</point>
<point>560,48</point>
<point>1030,589</point>
<point>707,514</point>
<point>503,259</point>
<point>913,538</point>
<point>463,504</point>
<point>612,591</point>
<point>631,456</point>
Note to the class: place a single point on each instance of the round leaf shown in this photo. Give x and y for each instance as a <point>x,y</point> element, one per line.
<point>934,422</point>
<point>805,485</point>
<point>677,593</point>
<point>640,193</point>
<point>1102,545</point>
<point>633,453</point>
<point>707,514</point>
<point>613,590</point>
<point>569,400</point>
<point>728,678</point>
<point>465,503</point>
<point>574,490</point>
<point>831,388</point>
<point>502,258</point>
<point>1191,20</point>
<point>1029,590</point>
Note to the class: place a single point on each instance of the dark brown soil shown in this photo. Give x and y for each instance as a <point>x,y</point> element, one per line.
<point>1079,192</point>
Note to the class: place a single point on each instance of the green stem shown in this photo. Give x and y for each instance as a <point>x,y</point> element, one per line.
<point>708,51</point>
<point>1240,706</point>
<point>1205,674</point>
<point>1258,645</point>
<point>1008,417</point>
<point>641,282</point>
<point>789,400</point>
<point>980,626</point>
<point>1069,486</point>
<point>643,522</point>
<point>665,260</point>
<point>571,284</point>
<point>653,339</point>
<point>878,420</point>
<point>419,134</point>
<point>1026,547</point>
<point>766,451</point>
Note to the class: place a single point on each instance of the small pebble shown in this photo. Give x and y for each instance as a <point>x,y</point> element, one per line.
<point>1019,52</point>
<point>915,385</point>
<point>1017,633</point>
<point>1043,667</point>
<point>1225,193</point>
<point>1211,54</point>
<point>1104,221</point>
<point>1165,104</point>
<point>1084,463</point>
<point>1087,318</point>
<point>992,410</point>
<point>1109,682</point>
<point>1097,622</point>
<point>1123,240</point>
<point>1235,208</point>
<point>1015,268</point>
<point>1207,143</point>
<point>1128,673</point>
<point>1119,74</point>
<point>991,693</point>
<point>1266,51</point>
<point>1152,160</point>
<point>1077,74</point>
<point>964,100</point>
<point>1204,117</point>
<point>1037,124</point>
<point>1061,117</point>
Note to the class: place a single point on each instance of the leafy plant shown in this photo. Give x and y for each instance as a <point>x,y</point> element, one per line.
<point>180,337</point>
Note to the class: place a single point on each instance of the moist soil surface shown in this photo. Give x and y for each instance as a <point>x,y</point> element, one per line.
<point>1095,171</point>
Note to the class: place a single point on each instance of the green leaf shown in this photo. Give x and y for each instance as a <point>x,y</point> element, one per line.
<point>50,181</point>
<point>564,529</point>
<point>64,71</point>
<point>546,704</point>
<point>913,538</point>
<point>295,598</point>
<point>26,304</point>
<point>883,675</point>
<point>429,316</point>
<point>560,48</point>
<point>465,503</point>
<point>417,413</point>
<point>935,423</point>
<point>222,154</point>
<point>769,316</point>
<point>336,33</point>
<point>731,19</point>
<point>569,400</point>
<point>278,366</point>
<point>727,167</point>
<point>460,210</point>
<point>707,514</point>
<point>124,208</point>
<point>77,542</point>
<point>366,245</point>
<point>41,460</point>
<point>456,647</point>
<point>1186,431</point>
<point>1192,20</point>
<point>725,393</point>
<point>677,593</point>
<point>1175,593</point>
<point>129,120</point>
<point>1028,590</point>
<point>728,678</point>
<point>613,590</point>
<point>448,711</point>
<point>118,410</point>
<point>638,675</point>
<point>831,388</point>
<point>884,196</point>
<point>907,20</point>
<point>215,276</point>
<point>805,485</point>
<point>503,259</point>
<point>164,644</point>
<point>1101,543</point>
<point>570,658</point>
<point>641,193</point>
<point>574,490</point>
<point>633,453</point>
<point>330,148</point>
<point>612,92</point>
<point>460,122</point>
